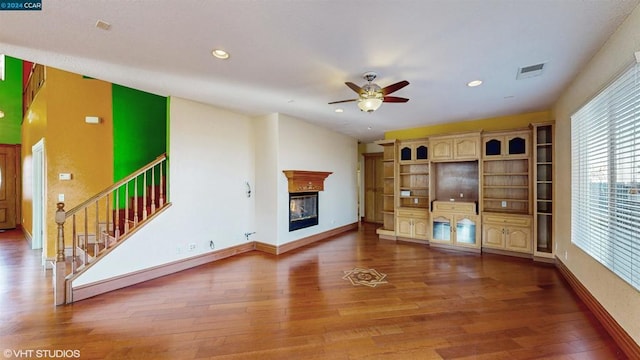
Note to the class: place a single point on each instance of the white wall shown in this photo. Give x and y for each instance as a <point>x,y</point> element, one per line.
<point>619,298</point>
<point>267,176</point>
<point>303,146</point>
<point>212,153</point>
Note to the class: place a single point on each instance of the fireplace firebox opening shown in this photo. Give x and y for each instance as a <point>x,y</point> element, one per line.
<point>303,210</point>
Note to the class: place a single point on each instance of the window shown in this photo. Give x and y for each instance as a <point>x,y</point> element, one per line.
<point>605,177</point>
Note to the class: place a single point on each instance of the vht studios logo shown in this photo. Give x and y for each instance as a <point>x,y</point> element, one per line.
<point>21,5</point>
<point>40,354</point>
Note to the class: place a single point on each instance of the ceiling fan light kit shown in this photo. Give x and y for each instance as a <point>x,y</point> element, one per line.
<point>369,105</point>
<point>371,96</point>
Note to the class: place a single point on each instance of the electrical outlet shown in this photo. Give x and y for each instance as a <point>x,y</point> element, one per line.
<point>192,246</point>
<point>565,255</point>
<point>504,204</point>
<point>179,250</point>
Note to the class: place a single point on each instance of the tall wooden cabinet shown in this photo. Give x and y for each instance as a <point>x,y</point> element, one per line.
<point>506,191</point>
<point>413,190</point>
<point>389,189</point>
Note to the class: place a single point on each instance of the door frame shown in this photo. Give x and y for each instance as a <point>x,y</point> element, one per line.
<point>38,191</point>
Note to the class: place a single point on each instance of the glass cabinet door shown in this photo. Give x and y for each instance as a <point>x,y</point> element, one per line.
<point>441,229</point>
<point>466,231</point>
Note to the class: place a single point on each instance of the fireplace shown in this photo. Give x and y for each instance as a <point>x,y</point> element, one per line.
<point>303,189</point>
<point>303,210</point>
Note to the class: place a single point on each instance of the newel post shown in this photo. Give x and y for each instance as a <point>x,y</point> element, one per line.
<point>61,266</point>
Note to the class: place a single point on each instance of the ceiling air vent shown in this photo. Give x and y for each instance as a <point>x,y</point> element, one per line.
<point>530,71</point>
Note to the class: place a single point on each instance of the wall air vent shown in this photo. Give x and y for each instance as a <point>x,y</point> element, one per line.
<point>526,72</point>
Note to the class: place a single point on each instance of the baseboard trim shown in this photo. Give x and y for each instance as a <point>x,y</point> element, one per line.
<point>619,335</point>
<point>100,287</point>
<point>277,250</point>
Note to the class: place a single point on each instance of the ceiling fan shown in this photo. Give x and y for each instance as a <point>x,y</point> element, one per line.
<point>371,96</point>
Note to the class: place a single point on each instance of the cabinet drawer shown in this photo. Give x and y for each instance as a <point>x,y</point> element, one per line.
<point>412,213</point>
<point>453,206</point>
<point>507,220</point>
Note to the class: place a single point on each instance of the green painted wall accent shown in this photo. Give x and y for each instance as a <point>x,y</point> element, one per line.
<point>11,101</point>
<point>139,129</point>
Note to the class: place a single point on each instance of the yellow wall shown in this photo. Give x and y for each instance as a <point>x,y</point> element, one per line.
<point>33,130</point>
<point>620,299</point>
<point>490,124</point>
<point>71,145</point>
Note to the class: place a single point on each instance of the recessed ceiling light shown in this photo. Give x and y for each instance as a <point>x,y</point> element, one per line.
<point>101,24</point>
<point>220,54</point>
<point>1,114</point>
<point>339,110</point>
<point>474,83</point>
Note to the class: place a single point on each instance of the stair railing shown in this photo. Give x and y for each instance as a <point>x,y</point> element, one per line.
<point>102,221</point>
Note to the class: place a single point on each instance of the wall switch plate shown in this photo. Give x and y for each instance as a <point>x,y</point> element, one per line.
<point>504,204</point>
<point>60,197</point>
<point>64,176</point>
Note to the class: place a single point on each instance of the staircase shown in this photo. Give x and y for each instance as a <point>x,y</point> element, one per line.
<point>101,223</point>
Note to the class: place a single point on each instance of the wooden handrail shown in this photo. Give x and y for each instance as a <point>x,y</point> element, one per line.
<point>113,187</point>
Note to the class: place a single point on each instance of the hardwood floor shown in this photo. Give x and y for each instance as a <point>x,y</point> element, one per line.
<point>435,305</point>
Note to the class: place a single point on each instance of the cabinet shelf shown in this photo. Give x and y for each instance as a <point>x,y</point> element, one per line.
<point>506,199</point>
<point>507,174</point>
<point>413,173</point>
<point>505,187</point>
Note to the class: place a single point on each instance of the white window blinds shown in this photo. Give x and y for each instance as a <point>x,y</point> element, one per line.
<point>605,176</point>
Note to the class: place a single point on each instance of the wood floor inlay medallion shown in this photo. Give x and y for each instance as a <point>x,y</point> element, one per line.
<point>366,277</point>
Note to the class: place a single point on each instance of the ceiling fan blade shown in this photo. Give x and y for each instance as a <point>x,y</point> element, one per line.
<point>394,87</point>
<point>342,101</point>
<point>394,99</point>
<point>354,87</point>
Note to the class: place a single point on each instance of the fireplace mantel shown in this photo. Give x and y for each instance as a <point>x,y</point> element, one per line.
<point>305,181</point>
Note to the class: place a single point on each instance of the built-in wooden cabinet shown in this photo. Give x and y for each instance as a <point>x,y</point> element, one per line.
<point>455,224</point>
<point>507,232</point>
<point>543,190</point>
<point>413,174</point>
<point>506,181</point>
<point>455,147</point>
<point>412,224</point>
<point>412,216</point>
<point>472,191</point>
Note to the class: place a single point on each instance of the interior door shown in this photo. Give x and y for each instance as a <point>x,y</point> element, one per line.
<point>8,186</point>
<point>373,187</point>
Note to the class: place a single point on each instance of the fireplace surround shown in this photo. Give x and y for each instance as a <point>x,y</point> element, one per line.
<point>303,197</point>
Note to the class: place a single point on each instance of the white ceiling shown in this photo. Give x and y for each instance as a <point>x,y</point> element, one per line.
<point>293,57</point>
